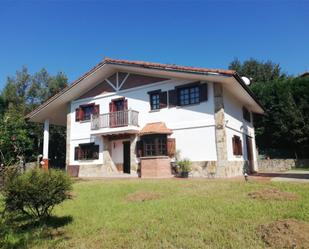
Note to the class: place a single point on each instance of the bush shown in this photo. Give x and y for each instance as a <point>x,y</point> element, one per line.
<point>184,165</point>
<point>35,192</point>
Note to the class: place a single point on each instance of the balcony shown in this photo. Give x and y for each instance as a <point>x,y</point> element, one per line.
<point>127,118</point>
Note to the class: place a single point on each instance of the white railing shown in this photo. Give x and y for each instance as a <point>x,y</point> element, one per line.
<point>114,119</point>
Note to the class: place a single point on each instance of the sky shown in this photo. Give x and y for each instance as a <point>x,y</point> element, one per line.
<point>73,36</point>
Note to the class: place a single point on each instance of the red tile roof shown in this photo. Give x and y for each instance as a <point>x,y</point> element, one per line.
<point>155,128</point>
<point>168,66</point>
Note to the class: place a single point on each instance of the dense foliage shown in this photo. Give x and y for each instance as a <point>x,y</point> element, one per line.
<point>35,192</point>
<point>21,141</point>
<point>284,131</point>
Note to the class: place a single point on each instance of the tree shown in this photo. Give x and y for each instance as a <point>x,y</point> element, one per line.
<point>283,131</point>
<point>21,94</point>
<point>258,71</point>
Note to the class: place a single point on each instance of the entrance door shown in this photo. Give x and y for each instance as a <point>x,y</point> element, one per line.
<point>126,157</point>
<point>249,153</point>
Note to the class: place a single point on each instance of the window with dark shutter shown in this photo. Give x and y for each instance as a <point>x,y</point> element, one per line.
<point>246,114</point>
<point>84,112</point>
<point>88,151</point>
<point>237,146</point>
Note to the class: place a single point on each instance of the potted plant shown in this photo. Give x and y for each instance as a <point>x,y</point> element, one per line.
<point>184,167</point>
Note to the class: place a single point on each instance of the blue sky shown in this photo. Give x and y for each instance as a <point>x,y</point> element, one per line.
<point>73,36</point>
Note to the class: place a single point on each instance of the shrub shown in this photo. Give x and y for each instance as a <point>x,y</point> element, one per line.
<point>184,165</point>
<point>35,192</point>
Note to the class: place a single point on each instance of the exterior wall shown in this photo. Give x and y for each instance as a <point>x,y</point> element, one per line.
<point>236,125</point>
<point>195,128</point>
<point>192,124</point>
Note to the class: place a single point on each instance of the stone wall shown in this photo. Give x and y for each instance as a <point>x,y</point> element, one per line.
<point>210,169</point>
<point>279,165</point>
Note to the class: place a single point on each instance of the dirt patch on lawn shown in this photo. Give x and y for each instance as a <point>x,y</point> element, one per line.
<point>143,196</point>
<point>273,194</point>
<point>287,233</point>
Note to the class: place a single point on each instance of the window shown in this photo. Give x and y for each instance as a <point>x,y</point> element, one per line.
<point>87,111</point>
<point>189,95</point>
<point>246,114</point>
<point>83,113</point>
<point>237,146</point>
<point>154,145</point>
<point>89,151</point>
<point>155,101</point>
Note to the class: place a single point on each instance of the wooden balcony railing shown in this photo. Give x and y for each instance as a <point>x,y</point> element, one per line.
<point>114,119</point>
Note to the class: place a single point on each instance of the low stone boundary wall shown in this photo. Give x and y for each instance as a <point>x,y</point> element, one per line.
<point>279,165</point>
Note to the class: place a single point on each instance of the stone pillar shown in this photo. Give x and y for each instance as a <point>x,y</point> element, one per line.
<point>45,144</point>
<point>68,137</point>
<point>107,159</point>
<point>133,158</point>
<point>221,143</point>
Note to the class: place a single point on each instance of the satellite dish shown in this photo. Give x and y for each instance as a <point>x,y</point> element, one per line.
<point>246,80</point>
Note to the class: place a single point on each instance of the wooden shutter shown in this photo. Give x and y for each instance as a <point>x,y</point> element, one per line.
<point>203,92</point>
<point>163,99</point>
<point>81,114</point>
<point>111,106</point>
<point>171,147</point>
<point>76,153</point>
<point>96,109</point>
<point>139,148</point>
<point>234,146</point>
<point>172,98</point>
<point>77,110</point>
<point>239,147</point>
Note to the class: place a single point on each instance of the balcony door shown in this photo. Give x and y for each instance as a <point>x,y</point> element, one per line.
<point>118,112</point>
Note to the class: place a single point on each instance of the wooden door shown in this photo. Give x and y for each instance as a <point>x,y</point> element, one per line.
<point>126,157</point>
<point>250,153</point>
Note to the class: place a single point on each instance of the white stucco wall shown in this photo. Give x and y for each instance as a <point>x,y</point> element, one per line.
<point>236,125</point>
<point>193,125</point>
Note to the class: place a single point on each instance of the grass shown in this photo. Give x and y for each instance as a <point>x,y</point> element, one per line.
<point>162,214</point>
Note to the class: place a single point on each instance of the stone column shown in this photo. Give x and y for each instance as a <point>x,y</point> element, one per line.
<point>221,144</point>
<point>133,158</point>
<point>107,159</point>
<point>68,137</point>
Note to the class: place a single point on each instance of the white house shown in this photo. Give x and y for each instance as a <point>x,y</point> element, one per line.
<point>130,117</point>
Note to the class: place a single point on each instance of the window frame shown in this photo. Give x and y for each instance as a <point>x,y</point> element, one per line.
<point>157,104</point>
<point>85,149</point>
<point>154,145</point>
<point>237,146</point>
<point>189,98</point>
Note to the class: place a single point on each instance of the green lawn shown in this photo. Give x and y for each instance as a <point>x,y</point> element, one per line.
<point>182,214</point>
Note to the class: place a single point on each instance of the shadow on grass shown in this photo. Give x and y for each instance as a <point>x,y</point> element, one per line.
<point>22,231</point>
